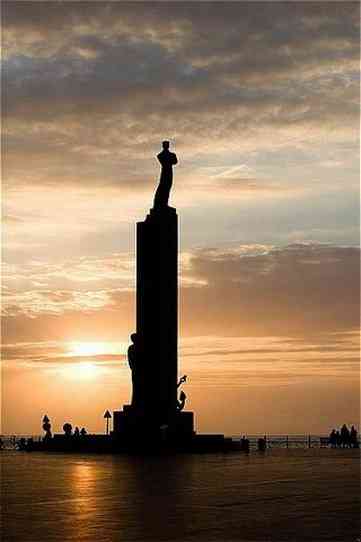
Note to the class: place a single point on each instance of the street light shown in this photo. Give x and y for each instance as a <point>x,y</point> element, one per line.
<point>107,416</point>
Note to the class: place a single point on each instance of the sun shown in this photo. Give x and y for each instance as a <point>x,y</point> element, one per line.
<point>88,359</point>
<point>92,348</point>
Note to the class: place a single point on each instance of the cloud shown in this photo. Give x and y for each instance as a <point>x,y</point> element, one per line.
<point>79,271</point>
<point>229,362</point>
<point>258,105</point>
<point>223,70</point>
<point>46,354</point>
<point>10,219</point>
<point>299,290</point>
<point>270,358</point>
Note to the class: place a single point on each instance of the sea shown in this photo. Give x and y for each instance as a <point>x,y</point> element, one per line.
<point>296,494</point>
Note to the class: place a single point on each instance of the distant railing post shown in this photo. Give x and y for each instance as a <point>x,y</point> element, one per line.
<point>309,441</point>
<point>287,441</point>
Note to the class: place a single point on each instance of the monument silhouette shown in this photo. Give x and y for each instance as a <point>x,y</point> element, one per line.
<point>155,411</point>
<point>155,419</point>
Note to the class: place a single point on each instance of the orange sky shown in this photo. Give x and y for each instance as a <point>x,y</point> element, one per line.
<point>262,108</point>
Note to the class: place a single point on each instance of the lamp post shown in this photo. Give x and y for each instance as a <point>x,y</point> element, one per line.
<point>107,417</point>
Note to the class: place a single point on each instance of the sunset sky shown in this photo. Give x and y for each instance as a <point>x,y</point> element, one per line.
<point>260,101</point>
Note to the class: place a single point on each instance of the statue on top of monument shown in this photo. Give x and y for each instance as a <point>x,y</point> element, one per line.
<point>167,160</point>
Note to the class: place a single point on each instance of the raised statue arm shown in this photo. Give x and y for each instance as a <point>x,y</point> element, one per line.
<point>181,380</point>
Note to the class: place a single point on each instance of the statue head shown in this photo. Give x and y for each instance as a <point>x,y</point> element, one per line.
<point>165,145</point>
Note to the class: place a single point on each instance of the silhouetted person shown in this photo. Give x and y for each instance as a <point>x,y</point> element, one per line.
<point>261,444</point>
<point>333,439</point>
<point>345,436</point>
<point>353,437</point>
<point>137,368</point>
<point>76,432</point>
<point>244,444</point>
<point>82,432</point>
<point>167,160</point>
<point>338,439</point>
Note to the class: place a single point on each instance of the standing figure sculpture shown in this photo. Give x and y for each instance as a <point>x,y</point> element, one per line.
<point>135,364</point>
<point>167,160</point>
<point>182,397</point>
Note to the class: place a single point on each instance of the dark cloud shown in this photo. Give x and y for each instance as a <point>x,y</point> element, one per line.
<point>302,289</point>
<point>98,82</point>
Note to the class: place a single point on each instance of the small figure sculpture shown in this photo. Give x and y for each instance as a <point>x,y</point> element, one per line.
<point>46,427</point>
<point>135,364</point>
<point>68,429</point>
<point>167,160</point>
<point>182,395</point>
<point>182,400</point>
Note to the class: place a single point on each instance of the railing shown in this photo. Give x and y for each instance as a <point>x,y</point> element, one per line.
<point>11,442</point>
<point>272,441</point>
<point>289,441</point>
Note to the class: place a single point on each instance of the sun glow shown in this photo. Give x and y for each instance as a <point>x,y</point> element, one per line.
<point>90,358</point>
<point>94,348</point>
<point>83,371</point>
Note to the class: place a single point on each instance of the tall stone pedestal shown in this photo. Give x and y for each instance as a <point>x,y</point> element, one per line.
<point>157,332</point>
<point>157,309</point>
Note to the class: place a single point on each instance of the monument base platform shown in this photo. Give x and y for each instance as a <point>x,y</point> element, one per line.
<point>131,427</point>
<point>110,444</point>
